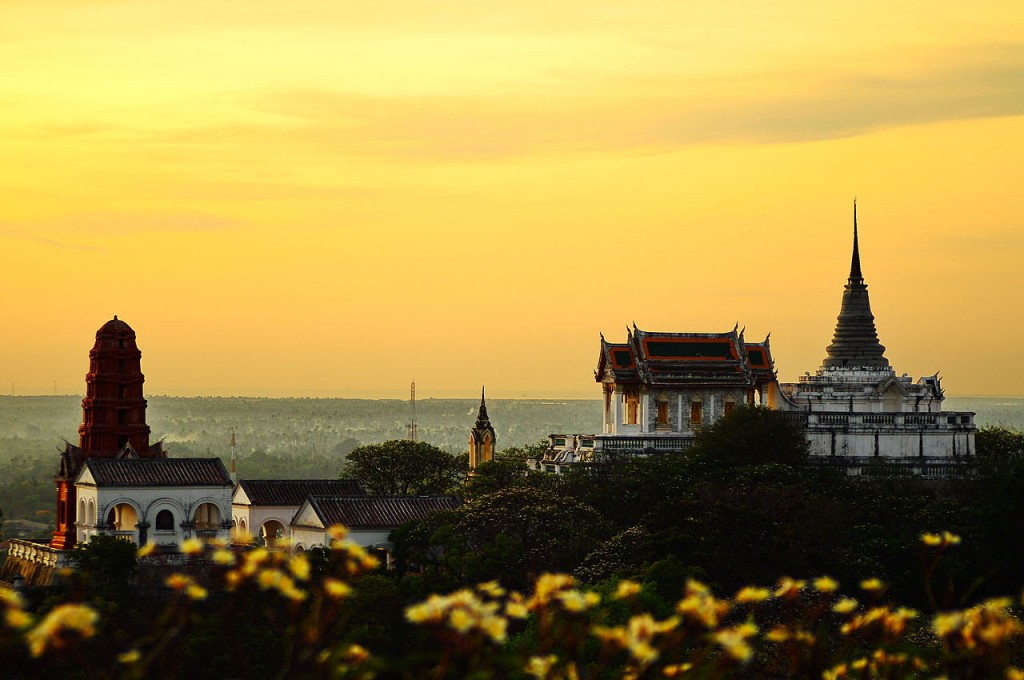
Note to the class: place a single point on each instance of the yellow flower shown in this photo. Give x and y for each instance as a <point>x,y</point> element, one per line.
<point>540,666</point>
<point>734,641</point>
<point>547,585</point>
<point>223,557</point>
<point>872,585</point>
<point>575,601</point>
<point>232,579</point>
<point>78,618</point>
<point>191,546</point>
<point>129,657</point>
<point>10,597</point>
<point>1014,673</point>
<point>299,566</point>
<point>16,618</point>
<point>752,594</point>
<point>491,588</point>
<point>356,654</point>
<point>336,589</point>
<point>835,672</point>
<point>186,584</point>
<point>677,669</point>
<point>940,540</point>
<point>845,605</point>
<point>789,588</point>
<point>146,550</point>
<point>460,620</point>
<point>825,584</point>
<point>517,610</point>
<point>627,590</point>
<point>337,532</point>
<point>196,592</point>
<point>701,605</point>
<point>495,627</point>
<point>178,581</point>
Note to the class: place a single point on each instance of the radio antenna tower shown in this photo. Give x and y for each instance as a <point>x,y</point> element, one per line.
<point>234,457</point>
<point>413,433</point>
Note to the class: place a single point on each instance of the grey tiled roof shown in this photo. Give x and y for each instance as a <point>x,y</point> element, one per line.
<point>378,512</point>
<point>285,492</point>
<point>158,471</point>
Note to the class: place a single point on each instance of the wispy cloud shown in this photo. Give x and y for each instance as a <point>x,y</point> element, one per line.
<point>652,115</point>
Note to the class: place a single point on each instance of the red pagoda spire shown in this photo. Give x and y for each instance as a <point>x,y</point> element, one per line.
<point>114,410</point>
<point>113,419</point>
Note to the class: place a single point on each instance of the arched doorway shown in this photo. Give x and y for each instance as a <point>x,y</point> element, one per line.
<point>271,533</point>
<point>121,521</point>
<point>207,520</point>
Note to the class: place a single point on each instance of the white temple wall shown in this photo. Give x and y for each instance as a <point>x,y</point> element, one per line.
<point>909,444</point>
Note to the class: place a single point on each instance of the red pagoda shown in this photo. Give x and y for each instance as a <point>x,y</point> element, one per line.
<point>113,419</point>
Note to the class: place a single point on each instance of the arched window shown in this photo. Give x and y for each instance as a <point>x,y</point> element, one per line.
<point>165,520</point>
<point>207,517</point>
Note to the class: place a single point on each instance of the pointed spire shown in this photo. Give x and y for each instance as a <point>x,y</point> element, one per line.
<point>855,343</point>
<point>482,415</point>
<point>855,260</point>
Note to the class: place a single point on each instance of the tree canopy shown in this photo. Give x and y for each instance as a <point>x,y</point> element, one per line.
<point>404,468</point>
<point>752,435</point>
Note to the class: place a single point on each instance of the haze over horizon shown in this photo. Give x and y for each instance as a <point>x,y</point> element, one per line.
<point>329,197</point>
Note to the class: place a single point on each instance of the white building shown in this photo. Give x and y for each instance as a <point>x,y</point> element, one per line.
<point>153,500</point>
<point>369,519</point>
<point>859,410</point>
<point>264,508</point>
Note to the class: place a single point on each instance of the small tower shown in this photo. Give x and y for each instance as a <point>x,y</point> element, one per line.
<point>482,440</point>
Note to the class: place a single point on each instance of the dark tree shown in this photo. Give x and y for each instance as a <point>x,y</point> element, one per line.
<point>752,435</point>
<point>405,468</point>
<point>105,561</point>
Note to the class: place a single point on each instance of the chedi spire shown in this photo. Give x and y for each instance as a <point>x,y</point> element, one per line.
<point>855,342</point>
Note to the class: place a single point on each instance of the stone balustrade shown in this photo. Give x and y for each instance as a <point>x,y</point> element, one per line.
<point>36,553</point>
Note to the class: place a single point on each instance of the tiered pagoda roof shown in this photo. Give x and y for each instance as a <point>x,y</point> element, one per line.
<point>855,343</point>
<point>656,358</point>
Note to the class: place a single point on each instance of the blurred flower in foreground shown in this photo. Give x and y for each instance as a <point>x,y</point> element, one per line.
<point>65,618</point>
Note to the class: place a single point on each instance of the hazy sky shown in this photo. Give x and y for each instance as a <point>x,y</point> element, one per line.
<point>335,197</point>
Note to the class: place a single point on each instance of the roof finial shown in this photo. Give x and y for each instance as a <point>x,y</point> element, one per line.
<point>855,260</point>
<point>482,415</point>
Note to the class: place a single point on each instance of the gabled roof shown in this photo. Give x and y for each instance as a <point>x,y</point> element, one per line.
<point>132,472</point>
<point>370,512</point>
<point>721,359</point>
<point>292,492</point>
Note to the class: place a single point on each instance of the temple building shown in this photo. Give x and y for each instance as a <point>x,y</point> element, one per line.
<point>659,389</point>
<point>115,481</point>
<point>482,439</point>
<point>858,409</point>
<point>113,420</point>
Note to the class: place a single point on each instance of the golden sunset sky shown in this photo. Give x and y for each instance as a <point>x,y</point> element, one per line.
<point>334,197</point>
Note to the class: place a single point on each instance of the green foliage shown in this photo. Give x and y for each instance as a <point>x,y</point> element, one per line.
<point>1000,444</point>
<point>403,468</point>
<point>753,435</point>
<point>105,561</point>
<point>496,475</point>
